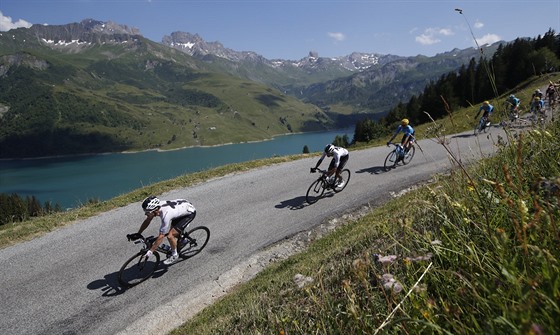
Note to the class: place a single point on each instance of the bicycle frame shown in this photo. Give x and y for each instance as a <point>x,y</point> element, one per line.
<point>318,187</point>
<point>398,154</point>
<point>139,268</point>
<point>481,125</point>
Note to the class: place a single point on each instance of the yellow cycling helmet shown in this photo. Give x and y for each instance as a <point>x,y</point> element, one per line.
<point>486,102</point>
<point>404,122</point>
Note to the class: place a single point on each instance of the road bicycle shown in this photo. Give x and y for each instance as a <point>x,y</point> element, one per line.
<point>482,125</point>
<point>137,268</point>
<point>398,154</point>
<point>317,188</point>
<point>538,117</point>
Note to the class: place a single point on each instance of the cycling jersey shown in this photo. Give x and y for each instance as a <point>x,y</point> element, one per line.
<point>407,130</point>
<point>338,153</point>
<point>514,102</point>
<point>488,109</point>
<point>173,209</point>
<point>537,105</point>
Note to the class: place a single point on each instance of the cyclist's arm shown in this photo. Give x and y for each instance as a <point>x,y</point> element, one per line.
<point>157,242</point>
<point>478,113</point>
<point>320,160</point>
<point>395,134</point>
<point>146,223</point>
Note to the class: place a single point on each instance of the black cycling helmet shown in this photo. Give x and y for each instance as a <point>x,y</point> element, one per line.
<point>329,148</point>
<point>150,204</point>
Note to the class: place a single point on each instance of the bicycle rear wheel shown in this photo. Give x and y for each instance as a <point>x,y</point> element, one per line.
<point>345,175</point>
<point>315,191</point>
<point>390,160</point>
<point>196,240</point>
<point>137,269</point>
<point>409,155</point>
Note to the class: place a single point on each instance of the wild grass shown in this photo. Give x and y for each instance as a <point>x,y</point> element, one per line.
<point>476,252</point>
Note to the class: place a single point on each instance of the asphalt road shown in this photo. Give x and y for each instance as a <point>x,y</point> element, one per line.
<point>65,282</point>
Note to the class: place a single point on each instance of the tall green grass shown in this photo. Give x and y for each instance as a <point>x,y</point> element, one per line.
<point>475,252</point>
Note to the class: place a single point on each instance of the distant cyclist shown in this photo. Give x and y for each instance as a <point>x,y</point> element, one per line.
<point>513,103</point>
<point>487,110</point>
<point>537,105</point>
<point>408,137</point>
<point>538,94</point>
<point>552,93</point>
<point>175,215</point>
<point>340,156</point>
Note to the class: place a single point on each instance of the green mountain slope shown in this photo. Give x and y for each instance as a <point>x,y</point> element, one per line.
<point>90,92</point>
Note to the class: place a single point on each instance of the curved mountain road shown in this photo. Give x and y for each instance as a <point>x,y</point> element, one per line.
<point>65,282</point>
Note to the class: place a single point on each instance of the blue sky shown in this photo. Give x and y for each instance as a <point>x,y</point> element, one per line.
<point>290,29</point>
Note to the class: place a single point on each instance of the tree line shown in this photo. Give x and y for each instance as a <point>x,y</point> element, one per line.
<point>14,208</point>
<point>488,78</point>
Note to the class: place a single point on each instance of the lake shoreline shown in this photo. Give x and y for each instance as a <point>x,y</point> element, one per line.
<point>158,149</point>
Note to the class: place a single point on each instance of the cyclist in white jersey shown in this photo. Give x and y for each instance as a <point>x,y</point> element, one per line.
<point>175,215</point>
<point>340,157</point>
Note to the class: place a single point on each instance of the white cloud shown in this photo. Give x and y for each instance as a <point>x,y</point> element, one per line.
<point>7,24</point>
<point>432,35</point>
<point>426,39</point>
<point>478,25</point>
<point>337,36</point>
<point>445,32</point>
<point>488,39</point>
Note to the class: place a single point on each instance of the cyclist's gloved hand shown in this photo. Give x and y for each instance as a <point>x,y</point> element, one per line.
<point>388,143</point>
<point>148,254</point>
<point>313,170</point>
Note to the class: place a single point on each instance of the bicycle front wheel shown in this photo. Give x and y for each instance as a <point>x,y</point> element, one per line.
<point>409,155</point>
<point>390,160</point>
<point>196,239</point>
<point>137,269</point>
<point>477,129</point>
<point>345,175</point>
<point>315,191</point>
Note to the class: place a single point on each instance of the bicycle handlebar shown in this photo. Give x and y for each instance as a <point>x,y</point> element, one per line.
<point>134,237</point>
<point>313,170</point>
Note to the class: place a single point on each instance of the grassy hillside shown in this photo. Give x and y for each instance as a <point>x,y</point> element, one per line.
<point>130,96</point>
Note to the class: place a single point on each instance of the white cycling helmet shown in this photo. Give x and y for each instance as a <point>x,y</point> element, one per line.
<point>150,204</point>
<point>329,148</point>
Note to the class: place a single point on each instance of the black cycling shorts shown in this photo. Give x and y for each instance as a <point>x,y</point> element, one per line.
<point>341,164</point>
<point>181,222</point>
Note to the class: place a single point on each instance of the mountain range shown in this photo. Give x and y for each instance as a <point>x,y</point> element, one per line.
<point>97,86</point>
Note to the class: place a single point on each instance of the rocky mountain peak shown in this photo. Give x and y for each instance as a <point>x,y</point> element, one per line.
<point>88,31</point>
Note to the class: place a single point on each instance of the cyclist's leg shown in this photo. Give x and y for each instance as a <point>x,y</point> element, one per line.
<point>406,142</point>
<point>172,236</point>
<point>341,165</point>
<point>331,168</point>
<point>178,225</point>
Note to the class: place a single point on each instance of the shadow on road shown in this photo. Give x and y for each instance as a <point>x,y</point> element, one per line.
<point>295,203</point>
<point>463,136</point>
<point>372,170</point>
<point>110,285</point>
